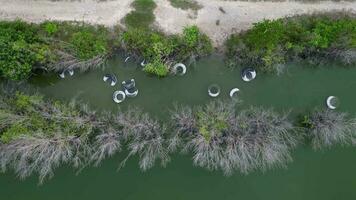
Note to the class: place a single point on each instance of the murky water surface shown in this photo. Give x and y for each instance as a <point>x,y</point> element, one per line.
<point>328,175</point>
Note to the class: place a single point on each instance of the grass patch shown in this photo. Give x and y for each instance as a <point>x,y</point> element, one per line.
<point>142,17</point>
<point>186,4</point>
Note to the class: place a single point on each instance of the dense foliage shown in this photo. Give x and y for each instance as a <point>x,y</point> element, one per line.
<point>20,49</point>
<point>161,51</point>
<point>314,38</point>
<point>57,46</point>
<point>53,46</point>
<point>77,45</point>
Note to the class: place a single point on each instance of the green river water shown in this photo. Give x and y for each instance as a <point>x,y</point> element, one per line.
<point>327,175</point>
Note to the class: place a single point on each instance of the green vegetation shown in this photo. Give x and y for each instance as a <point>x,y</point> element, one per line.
<point>160,51</point>
<point>87,45</point>
<point>142,16</point>
<point>57,46</point>
<point>77,45</point>
<point>20,49</point>
<point>53,46</point>
<point>186,4</point>
<point>313,38</point>
<point>32,116</point>
<point>37,135</point>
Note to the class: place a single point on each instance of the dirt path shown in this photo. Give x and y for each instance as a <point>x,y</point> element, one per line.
<point>108,13</point>
<point>239,15</point>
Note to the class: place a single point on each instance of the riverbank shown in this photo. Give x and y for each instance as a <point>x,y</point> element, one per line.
<point>238,15</point>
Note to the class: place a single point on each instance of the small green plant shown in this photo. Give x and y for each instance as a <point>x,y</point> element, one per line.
<point>13,132</point>
<point>197,42</point>
<point>305,121</point>
<point>51,28</point>
<point>191,36</point>
<point>156,68</point>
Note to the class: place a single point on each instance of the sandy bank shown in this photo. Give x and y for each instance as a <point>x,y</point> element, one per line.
<point>108,13</point>
<point>239,15</point>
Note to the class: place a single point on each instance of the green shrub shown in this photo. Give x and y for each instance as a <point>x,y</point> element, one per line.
<point>25,47</point>
<point>156,68</point>
<point>18,49</point>
<point>87,45</point>
<point>13,132</point>
<point>314,38</point>
<point>160,50</point>
<point>195,42</point>
<point>50,28</point>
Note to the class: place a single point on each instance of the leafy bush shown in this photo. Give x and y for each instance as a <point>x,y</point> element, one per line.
<point>50,28</point>
<point>20,49</point>
<point>314,38</point>
<point>160,50</point>
<point>87,45</point>
<point>195,42</point>
<point>53,46</point>
<point>156,68</point>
